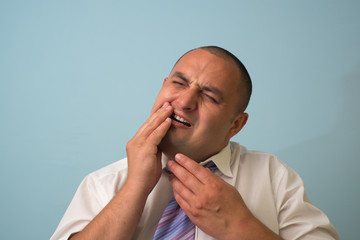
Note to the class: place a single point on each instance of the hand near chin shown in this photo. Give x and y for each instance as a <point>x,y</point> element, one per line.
<point>144,157</point>
<point>213,205</point>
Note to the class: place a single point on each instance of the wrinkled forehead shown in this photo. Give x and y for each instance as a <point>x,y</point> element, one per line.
<point>202,64</point>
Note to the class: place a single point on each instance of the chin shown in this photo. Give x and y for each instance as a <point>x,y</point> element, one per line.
<point>171,145</point>
<point>168,148</point>
<point>171,150</point>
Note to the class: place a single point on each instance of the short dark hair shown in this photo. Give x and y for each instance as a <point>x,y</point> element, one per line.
<point>245,76</point>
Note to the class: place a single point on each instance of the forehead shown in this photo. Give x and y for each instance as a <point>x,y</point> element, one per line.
<point>204,67</point>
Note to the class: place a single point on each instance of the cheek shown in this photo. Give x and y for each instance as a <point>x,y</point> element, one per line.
<point>216,125</point>
<point>167,95</point>
<point>210,123</point>
<point>162,97</point>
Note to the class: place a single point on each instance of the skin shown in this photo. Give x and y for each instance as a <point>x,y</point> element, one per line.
<point>200,88</point>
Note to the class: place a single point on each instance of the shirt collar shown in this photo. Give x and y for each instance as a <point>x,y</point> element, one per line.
<point>222,160</point>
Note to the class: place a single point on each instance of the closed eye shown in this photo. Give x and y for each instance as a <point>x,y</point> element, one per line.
<point>212,93</point>
<point>178,83</point>
<point>210,98</point>
<point>179,79</point>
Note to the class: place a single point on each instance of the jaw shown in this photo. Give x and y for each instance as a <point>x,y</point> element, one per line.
<point>180,140</point>
<point>176,140</point>
<point>173,144</point>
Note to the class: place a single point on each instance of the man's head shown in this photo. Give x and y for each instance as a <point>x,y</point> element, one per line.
<point>245,89</point>
<point>209,89</point>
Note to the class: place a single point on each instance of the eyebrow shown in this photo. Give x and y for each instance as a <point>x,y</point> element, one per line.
<point>211,89</point>
<point>181,76</point>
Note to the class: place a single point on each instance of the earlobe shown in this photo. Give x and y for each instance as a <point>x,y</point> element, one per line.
<point>238,123</point>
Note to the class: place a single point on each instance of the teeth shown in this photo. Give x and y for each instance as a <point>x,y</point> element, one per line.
<point>180,119</point>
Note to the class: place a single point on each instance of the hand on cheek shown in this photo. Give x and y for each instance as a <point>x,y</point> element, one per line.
<point>144,157</point>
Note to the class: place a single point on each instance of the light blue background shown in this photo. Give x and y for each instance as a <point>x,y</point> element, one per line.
<point>77,79</point>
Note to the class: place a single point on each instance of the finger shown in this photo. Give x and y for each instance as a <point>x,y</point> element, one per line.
<point>158,133</point>
<point>182,203</point>
<point>181,190</point>
<point>155,120</point>
<point>189,180</point>
<point>201,173</point>
<point>152,117</point>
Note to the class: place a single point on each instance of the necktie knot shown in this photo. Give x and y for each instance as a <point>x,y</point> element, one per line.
<point>210,165</point>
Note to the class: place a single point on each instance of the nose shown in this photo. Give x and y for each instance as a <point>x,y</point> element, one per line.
<point>187,99</point>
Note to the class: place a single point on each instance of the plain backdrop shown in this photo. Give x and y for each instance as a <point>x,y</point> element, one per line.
<point>78,78</point>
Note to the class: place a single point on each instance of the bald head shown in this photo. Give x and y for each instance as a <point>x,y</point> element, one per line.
<point>245,88</point>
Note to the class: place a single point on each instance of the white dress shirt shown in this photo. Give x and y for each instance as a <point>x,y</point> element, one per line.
<point>272,191</point>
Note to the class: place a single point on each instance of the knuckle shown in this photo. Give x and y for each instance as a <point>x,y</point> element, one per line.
<point>135,144</point>
<point>129,145</point>
<point>195,212</point>
<point>155,132</point>
<point>197,168</point>
<point>215,186</point>
<point>198,204</point>
<point>157,120</point>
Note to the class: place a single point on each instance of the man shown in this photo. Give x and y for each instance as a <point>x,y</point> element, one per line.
<point>249,195</point>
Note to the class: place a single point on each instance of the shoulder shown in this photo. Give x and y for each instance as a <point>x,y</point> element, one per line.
<point>240,152</point>
<point>284,189</point>
<point>115,168</point>
<point>258,162</point>
<point>267,165</point>
<point>109,179</point>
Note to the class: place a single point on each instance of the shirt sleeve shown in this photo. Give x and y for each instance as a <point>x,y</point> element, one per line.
<point>85,205</point>
<point>298,217</point>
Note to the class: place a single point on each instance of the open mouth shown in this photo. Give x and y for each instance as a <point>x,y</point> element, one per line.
<point>180,120</point>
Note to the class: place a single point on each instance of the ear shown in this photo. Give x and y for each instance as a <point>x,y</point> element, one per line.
<point>238,123</point>
<point>165,79</point>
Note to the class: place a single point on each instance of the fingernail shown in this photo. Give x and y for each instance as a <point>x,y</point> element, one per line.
<point>169,163</point>
<point>178,157</point>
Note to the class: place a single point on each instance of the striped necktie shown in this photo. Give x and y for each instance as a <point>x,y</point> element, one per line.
<point>174,223</point>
